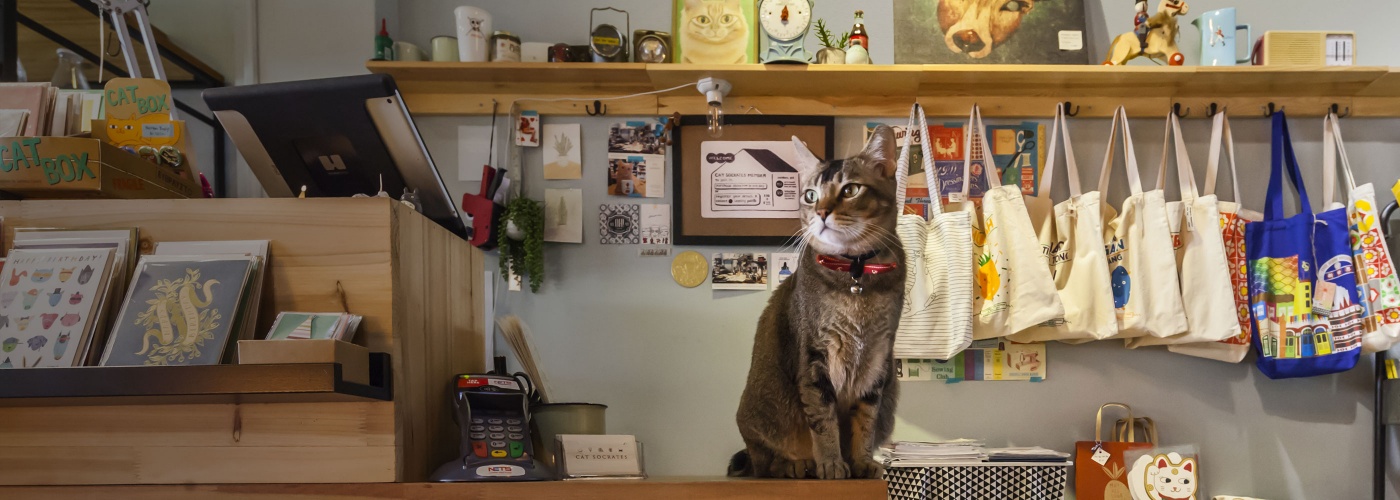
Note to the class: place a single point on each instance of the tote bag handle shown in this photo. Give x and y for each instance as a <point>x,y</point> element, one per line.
<point>1281,157</point>
<point>1060,130</point>
<point>1220,133</point>
<point>1098,421</point>
<point>1185,176</point>
<point>974,124</point>
<point>1120,118</point>
<point>1331,148</point>
<point>916,116</point>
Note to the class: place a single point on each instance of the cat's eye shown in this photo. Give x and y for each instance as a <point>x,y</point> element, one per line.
<point>1013,6</point>
<point>1167,480</point>
<point>809,196</point>
<point>852,190</point>
<point>728,18</point>
<point>1185,481</point>
<point>702,19</point>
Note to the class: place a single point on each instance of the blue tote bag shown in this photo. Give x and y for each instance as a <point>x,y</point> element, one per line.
<point>1302,290</point>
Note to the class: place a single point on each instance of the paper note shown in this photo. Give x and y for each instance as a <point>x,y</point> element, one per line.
<point>563,215</point>
<point>784,264</point>
<point>562,151</point>
<point>656,224</point>
<point>473,151</point>
<point>739,271</point>
<point>748,180</point>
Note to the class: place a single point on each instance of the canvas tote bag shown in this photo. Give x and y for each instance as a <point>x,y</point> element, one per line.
<point>1143,276</point>
<point>1100,470</point>
<point>936,321</point>
<point>1302,286</point>
<point>1071,235</point>
<point>1014,289</point>
<point>1233,217</point>
<point>1200,253</point>
<point>1376,284</point>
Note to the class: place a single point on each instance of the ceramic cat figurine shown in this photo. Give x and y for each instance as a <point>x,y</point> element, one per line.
<point>821,390</point>
<point>714,32</point>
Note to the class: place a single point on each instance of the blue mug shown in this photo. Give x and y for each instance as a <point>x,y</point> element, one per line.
<point>1218,29</point>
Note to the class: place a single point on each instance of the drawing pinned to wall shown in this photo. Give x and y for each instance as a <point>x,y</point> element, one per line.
<point>619,224</point>
<point>656,224</point>
<point>715,31</point>
<point>784,264</point>
<point>636,160</point>
<point>748,180</point>
<point>562,151</point>
<point>739,271</point>
<point>527,129</point>
<point>983,32</point>
<point>563,215</point>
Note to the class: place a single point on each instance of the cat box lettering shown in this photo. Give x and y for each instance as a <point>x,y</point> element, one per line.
<point>749,179</point>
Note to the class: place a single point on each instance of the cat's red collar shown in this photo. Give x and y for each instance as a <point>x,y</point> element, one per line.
<point>860,266</point>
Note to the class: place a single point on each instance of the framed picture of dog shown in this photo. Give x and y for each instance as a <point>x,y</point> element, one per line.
<point>715,31</point>
<point>990,32</point>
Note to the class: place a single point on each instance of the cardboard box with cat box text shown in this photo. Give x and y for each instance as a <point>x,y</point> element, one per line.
<point>81,167</point>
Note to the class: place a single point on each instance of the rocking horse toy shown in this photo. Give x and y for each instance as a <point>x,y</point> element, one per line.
<point>1153,37</point>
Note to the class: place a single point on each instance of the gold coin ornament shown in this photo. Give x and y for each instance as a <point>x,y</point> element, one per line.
<point>689,269</point>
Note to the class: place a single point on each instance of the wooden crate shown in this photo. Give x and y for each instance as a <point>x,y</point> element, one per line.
<point>415,283</point>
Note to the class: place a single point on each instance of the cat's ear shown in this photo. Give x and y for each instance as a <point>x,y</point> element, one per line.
<point>806,161</point>
<point>1189,465</point>
<point>880,150</point>
<point>1161,463</point>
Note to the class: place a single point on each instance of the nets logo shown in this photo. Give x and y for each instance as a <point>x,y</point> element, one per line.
<point>500,471</point>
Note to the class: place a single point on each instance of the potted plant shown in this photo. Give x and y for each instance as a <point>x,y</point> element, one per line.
<point>833,49</point>
<point>522,249</point>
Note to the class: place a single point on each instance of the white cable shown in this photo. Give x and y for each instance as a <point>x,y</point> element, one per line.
<point>101,45</point>
<point>614,98</point>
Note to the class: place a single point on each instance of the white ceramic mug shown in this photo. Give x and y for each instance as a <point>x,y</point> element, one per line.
<point>473,34</point>
<point>445,49</point>
<point>404,51</point>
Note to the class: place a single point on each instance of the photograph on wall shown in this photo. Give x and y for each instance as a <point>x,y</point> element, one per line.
<point>715,31</point>
<point>636,159</point>
<point>981,32</point>
<point>1018,154</point>
<point>748,180</point>
<point>619,224</point>
<point>656,224</point>
<point>562,151</point>
<point>784,264</point>
<point>739,271</point>
<point>563,215</point>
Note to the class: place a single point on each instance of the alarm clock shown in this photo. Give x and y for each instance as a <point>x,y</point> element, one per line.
<point>649,46</point>
<point>786,23</point>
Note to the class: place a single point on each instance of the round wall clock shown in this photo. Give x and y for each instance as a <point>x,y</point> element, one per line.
<point>786,23</point>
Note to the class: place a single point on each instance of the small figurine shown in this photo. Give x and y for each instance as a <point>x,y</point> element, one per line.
<point>1153,37</point>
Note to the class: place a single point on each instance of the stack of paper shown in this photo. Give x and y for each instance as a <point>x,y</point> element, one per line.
<point>35,99</point>
<point>299,325</point>
<point>917,454</point>
<point>1026,454</point>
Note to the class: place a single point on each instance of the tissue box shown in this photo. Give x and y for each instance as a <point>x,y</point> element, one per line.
<point>353,359</point>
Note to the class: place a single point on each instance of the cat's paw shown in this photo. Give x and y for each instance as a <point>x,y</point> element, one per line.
<point>833,469</point>
<point>793,469</point>
<point>867,468</point>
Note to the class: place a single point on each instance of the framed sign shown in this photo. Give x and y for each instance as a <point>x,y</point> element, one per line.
<point>742,188</point>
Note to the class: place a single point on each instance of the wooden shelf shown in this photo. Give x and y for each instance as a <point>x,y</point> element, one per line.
<point>439,88</point>
<point>694,488</point>
<point>131,385</point>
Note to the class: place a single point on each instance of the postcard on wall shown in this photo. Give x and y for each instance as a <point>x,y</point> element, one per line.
<point>180,310</point>
<point>968,32</point>
<point>656,224</point>
<point>619,224</point>
<point>748,180</point>
<point>739,271</point>
<point>1018,154</point>
<point>527,129</point>
<point>636,175</point>
<point>48,302</point>
<point>784,264</point>
<point>563,156</point>
<point>563,215</point>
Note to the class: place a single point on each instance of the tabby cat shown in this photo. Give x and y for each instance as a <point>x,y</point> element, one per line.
<point>821,391</point>
<point>714,32</point>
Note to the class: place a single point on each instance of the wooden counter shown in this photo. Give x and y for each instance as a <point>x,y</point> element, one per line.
<point>693,488</point>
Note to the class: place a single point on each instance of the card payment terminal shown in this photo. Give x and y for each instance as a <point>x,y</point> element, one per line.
<point>492,412</point>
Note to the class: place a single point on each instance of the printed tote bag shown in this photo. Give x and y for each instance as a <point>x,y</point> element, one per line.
<point>1071,236</point>
<point>1101,467</point>
<point>1302,286</point>
<point>1376,284</point>
<point>1233,217</point>
<point>1146,292</point>
<point>1014,290</point>
<point>936,321</point>
<point>1200,253</point>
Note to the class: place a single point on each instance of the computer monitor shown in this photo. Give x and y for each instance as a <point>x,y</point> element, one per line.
<point>337,137</point>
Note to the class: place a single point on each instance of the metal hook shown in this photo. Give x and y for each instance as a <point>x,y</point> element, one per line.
<point>1341,114</point>
<point>1213,110</point>
<point>598,108</point>
<point>1271,110</point>
<point>1071,113</point>
<point>1176,110</point>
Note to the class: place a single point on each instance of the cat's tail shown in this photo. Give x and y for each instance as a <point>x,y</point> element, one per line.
<point>740,465</point>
